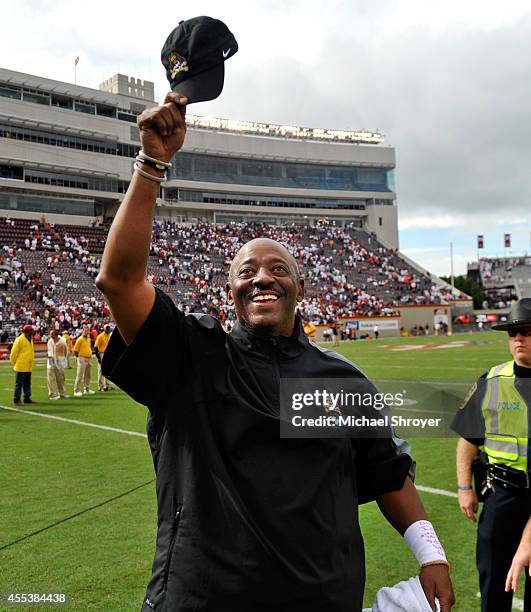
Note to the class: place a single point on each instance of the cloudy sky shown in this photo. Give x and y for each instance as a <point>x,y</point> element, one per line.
<point>448,83</point>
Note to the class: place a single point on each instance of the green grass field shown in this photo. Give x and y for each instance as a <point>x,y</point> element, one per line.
<point>77,503</point>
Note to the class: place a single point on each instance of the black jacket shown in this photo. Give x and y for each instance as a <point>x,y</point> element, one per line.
<point>247,520</point>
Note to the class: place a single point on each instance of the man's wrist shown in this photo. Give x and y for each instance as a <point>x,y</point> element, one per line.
<point>424,543</point>
<point>159,164</point>
<point>433,563</point>
<point>464,487</point>
<point>150,170</point>
<point>149,174</point>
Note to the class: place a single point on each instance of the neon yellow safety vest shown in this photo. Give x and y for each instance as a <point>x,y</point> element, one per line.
<point>506,419</point>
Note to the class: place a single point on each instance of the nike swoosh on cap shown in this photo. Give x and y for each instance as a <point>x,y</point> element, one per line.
<point>225,53</point>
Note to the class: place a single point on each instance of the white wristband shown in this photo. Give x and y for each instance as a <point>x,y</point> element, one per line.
<point>166,165</point>
<point>147,175</point>
<point>424,543</point>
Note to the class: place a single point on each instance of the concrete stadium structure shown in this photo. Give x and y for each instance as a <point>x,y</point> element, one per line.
<point>66,152</point>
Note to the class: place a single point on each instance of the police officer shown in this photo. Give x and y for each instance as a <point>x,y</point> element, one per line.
<point>497,417</point>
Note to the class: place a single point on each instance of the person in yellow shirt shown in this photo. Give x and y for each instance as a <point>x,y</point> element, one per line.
<point>99,347</point>
<point>83,354</point>
<point>310,329</point>
<point>70,350</point>
<point>22,356</point>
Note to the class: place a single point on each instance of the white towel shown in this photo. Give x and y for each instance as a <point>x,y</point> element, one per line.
<point>406,596</point>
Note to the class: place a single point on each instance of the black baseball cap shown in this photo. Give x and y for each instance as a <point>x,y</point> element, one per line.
<point>194,57</point>
<point>520,316</point>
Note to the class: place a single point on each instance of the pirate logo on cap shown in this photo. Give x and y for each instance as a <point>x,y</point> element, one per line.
<point>177,64</point>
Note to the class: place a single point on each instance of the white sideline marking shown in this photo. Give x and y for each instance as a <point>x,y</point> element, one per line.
<point>367,364</point>
<point>440,381</point>
<point>75,422</point>
<point>136,433</point>
<point>436,491</point>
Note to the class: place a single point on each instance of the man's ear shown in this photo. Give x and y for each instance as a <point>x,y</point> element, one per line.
<point>230,299</point>
<point>300,292</point>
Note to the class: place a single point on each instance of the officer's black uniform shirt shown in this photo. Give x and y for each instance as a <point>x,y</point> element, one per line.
<point>247,520</point>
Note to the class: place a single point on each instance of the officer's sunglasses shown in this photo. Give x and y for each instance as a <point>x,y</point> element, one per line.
<point>524,331</point>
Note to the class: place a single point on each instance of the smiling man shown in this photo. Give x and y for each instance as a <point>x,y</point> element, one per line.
<point>497,417</point>
<point>265,286</point>
<point>247,520</point>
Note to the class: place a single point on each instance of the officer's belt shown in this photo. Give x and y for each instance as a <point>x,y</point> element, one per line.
<point>507,477</point>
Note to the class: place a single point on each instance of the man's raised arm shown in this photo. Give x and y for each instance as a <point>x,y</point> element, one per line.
<point>122,277</point>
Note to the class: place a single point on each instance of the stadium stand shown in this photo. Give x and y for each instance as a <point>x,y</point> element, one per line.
<point>48,271</point>
<point>505,280</point>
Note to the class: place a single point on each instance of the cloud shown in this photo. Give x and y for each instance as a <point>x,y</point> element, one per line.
<point>448,83</point>
<point>424,250</point>
<point>438,261</point>
<point>436,222</point>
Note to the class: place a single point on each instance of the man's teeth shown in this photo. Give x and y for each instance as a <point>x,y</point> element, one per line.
<point>265,298</point>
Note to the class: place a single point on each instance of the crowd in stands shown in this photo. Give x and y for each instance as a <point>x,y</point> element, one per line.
<point>47,272</point>
<point>32,287</point>
<point>499,270</point>
<point>499,300</point>
<point>346,271</point>
<point>502,279</point>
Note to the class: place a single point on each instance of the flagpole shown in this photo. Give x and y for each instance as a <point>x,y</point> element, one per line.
<point>452,263</point>
<point>505,251</point>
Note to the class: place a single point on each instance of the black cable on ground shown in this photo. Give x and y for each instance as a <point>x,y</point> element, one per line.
<point>72,516</point>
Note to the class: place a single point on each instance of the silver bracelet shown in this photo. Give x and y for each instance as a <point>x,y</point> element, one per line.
<point>464,487</point>
<point>150,177</point>
<point>164,164</point>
